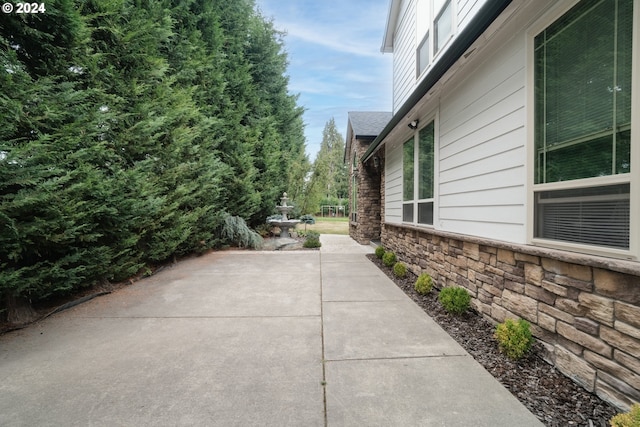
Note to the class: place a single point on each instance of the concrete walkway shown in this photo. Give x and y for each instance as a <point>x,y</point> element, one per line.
<point>244,338</point>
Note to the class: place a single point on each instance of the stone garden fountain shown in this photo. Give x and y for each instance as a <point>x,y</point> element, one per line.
<point>284,224</point>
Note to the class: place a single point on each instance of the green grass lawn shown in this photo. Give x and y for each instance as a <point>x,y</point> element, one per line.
<point>328,225</point>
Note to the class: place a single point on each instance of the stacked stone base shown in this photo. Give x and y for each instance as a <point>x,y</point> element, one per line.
<point>584,310</point>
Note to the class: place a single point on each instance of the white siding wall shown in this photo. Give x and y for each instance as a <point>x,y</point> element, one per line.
<point>393,184</point>
<point>405,43</point>
<point>466,10</point>
<point>482,150</point>
<point>404,54</point>
<point>482,154</point>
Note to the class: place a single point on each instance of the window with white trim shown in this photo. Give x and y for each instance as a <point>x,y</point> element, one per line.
<point>408,179</point>
<point>443,27</point>
<point>582,125</point>
<point>432,33</point>
<point>417,177</point>
<point>423,56</point>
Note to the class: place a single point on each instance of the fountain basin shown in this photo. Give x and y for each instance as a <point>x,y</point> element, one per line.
<point>284,226</point>
<point>284,223</point>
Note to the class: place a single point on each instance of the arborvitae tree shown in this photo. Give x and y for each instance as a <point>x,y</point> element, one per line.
<point>129,128</point>
<point>255,123</point>
<point>39,179</point>
<point>45,43</point>
<point>276,117</point>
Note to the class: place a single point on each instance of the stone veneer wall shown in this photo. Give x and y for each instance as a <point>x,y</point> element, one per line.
<point>368,224</point>
<point>584,310</point>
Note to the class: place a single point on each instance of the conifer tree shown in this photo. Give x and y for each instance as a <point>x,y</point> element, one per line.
<point>329,177</point>
<point>130,129</point>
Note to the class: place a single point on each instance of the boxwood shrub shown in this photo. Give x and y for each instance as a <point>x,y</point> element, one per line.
<point>423,284</point>
<point>400,269</point>
<point>380,252</point>
<point>514,338</point>
<point>455,299</point>
<point>389,258</point>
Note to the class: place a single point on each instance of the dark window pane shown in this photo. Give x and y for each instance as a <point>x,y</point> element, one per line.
<point>583,91</point>
<point>407,170</point>
<point>583,160</point>
<point>423,54</point>
<point>443,27</point>
<point>425,162</point>
<point>407,212</point>
<point>623,152</point>
<point>425,213</point>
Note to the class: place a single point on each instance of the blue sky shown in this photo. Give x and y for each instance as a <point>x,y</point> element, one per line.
<point>335,63</point>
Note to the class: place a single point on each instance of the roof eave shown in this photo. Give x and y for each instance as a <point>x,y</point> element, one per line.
<point>489,12</point>
<point>347,144</point>
<point>390,28</point>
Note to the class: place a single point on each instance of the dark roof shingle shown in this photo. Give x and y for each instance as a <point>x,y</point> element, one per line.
<point>368,123</point>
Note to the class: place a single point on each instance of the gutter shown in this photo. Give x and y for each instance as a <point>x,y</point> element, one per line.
<point>480,22</point>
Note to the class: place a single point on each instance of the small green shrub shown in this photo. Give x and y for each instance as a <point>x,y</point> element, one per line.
<point>235,231</point>
<point>389,258</point>
<point>312,240</point>
<point>423,284</point>
<point>455,299</point>
<point>628,419</point>
<point>307,219</point>
<point>400,269</point>
<point>379,252</point>
<point>514,338</point>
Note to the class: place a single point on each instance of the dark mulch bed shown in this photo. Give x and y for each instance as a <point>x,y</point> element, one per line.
<point>548,394</point>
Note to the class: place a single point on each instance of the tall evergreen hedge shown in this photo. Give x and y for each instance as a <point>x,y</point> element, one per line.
<point>129,131</point>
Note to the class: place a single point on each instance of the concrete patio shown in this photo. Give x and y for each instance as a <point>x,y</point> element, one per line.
<point>242,338</point>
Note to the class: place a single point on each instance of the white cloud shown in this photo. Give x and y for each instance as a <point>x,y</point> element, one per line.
<point>336,39</point>
<point>335,63</point>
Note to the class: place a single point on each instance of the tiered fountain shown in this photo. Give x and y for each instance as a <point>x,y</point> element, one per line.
<point>284,224</point>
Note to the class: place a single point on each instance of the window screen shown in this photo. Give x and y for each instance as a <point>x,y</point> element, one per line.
<point>407,212</point>
<point>594,216</point>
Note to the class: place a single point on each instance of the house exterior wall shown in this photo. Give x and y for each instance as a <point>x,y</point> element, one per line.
<point>393,183</point>
<point>368,223</point>
<point>482,155</point>
<point>410,32</point>
<point>466,10</point>
<point>584,308</point>
<point>404,56</point>
<point>482,151</point>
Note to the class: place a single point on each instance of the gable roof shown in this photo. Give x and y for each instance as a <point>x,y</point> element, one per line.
<point>368,124</point>
<point>390,28</point>
<point>365,125</point>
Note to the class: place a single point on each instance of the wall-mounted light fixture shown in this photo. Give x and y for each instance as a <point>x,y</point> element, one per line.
<point>413,124</point>
<point>376,162</point>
